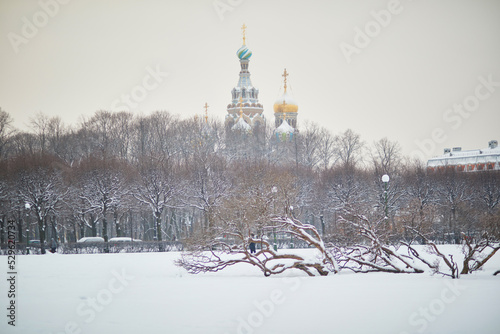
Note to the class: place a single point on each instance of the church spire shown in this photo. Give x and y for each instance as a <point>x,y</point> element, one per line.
<point>245,97</point>
<point>285,107</point>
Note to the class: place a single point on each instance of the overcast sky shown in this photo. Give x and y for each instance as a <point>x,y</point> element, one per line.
<point>382,68</point>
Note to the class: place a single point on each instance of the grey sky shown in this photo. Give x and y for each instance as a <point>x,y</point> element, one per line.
<point>430,56</point>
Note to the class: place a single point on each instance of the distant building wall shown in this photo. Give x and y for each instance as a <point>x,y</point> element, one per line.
<point>487,159</point>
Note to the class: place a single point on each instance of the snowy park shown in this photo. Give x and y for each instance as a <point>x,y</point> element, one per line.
<point>250,167</point>
<point>148,293</point>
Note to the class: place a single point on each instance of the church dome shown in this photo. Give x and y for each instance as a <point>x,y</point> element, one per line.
<point>244,53</point>
<point>285,104</point>
<point>284,128</point>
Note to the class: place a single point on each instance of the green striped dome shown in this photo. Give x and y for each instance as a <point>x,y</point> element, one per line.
<point>244,52</point>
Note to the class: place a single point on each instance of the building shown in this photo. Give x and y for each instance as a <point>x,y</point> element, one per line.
<point>285,107</point>
<point>285,114</point>
<point>244,106</point>
<point>486,159</point>
<point>245,112</point>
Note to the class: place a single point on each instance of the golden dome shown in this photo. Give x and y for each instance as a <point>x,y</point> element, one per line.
<point>285,104</point>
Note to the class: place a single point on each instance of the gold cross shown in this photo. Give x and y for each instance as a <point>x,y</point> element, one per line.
<point>285,74</point>
<point>243,28</point>
<point>206,112</point>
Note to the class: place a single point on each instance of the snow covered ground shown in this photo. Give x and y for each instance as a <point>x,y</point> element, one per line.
<point>147,293</point>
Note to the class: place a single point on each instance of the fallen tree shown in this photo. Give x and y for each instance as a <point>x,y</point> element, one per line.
<point>372,253</point>
<point>476,255</point>
<point>229,245</point>
<point>432,248</point>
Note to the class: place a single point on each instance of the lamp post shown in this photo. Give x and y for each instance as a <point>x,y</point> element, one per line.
<point>27,206</point>
<point>385,179</point>
<point>291,235</point>
<point>274,191</point>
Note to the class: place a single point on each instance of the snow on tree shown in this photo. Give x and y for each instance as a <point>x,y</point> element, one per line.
<point>372,253</point>
<point>229,245</point>
<point>38,182</point>
<point>103,184</point>
<point>155,188</point>
<point>247,216</point>
<point>477,254</point>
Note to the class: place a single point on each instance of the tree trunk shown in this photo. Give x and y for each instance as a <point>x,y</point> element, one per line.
<point>322,219</point>
<point>465,269</point>
<point>104,226</point>
<point>76,227</point>
<point>158,229</point>
<point>117,223</point>
<point>41,232</point>
<point>93,224</point>
<point>130,218</point>
<point>2,229</point>
<point>174,226</point>
<point>105,229</point>
<point>54,230</point>
<point>82,229</point>
<point>19,231</point>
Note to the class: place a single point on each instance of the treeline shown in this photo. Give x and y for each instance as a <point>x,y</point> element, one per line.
<point>159,177</point>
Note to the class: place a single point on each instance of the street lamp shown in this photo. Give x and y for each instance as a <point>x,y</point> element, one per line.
<point>27,206</point>
<point>385,179</point>
<point>274,191</point>
<point>291,235</point>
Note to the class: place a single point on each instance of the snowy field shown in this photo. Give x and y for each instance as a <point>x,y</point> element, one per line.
<point>147,293</point>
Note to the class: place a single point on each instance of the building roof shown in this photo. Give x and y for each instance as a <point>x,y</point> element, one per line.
<point>457,157</point>
<point>284,128</point>
<point>241,125</point>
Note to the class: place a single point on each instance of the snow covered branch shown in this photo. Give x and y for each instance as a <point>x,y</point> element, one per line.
<point>373,254</point>
<point>230,246</point>
<point>476,255</point>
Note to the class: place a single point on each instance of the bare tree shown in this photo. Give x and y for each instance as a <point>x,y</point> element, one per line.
<point>6,132</point>
<point>156,187</point>
<point>349,148</point>
<point>476,255</point>
<point>309,140</point>
<point>326,149</point>
<point>377,255</point>
<point>155,135</point>
<point>208,184</point>
<point>455,192</point>
<point>487,186</point>
<point>40,126</point>
<point>386,156</point>
<point>38,181</point>
<point>104,187</point>
<point>121,132</point>
<point>420,211</point>
<point>55,136</point>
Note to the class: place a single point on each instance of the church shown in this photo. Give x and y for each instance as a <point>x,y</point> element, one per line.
<point>245,112</point>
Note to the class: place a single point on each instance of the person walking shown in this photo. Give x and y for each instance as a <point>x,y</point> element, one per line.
<point>252,245</point>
